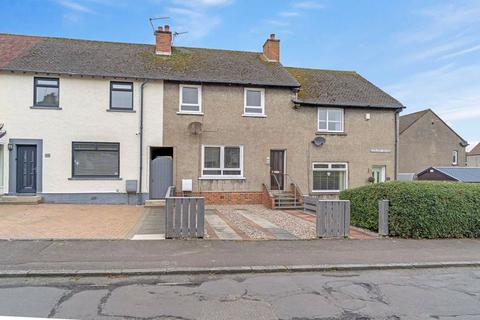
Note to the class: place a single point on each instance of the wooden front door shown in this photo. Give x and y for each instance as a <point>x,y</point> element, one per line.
<point>27,169</point>
<point>277,169</point>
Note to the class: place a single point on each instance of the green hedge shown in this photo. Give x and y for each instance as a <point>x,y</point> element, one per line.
<point>419,209</point>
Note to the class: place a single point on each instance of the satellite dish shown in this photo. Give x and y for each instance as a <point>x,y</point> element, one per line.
<point>318,141</point>
<point>195,128</point>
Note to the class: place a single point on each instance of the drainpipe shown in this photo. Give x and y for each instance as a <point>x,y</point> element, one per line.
<point>140,174</point>
<point>397,133</point>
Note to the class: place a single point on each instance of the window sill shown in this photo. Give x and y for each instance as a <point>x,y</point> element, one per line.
<point>121,110</point>
<point>222,178</point>
<point>326,191</point>
<point>333,133</point>
<point>94,178</point>
<point>190,113</point>
<point>254,115</point>
<point>45,108</point>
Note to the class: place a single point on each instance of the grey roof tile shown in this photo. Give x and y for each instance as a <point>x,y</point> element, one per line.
<point>341,88</point>
<point>465,174</point>
<point>115,59</point>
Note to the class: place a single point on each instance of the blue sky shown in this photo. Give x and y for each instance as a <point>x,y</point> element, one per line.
<point>425,53</point>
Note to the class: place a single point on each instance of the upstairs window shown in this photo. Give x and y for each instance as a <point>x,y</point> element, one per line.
<point>190,99</point>
<point>455,157</point>
<point>46,91</point>
<point>330,120</point>
<point>222,161</point>
<point>329,177</point>
<point>254,102</point>
<point>121,95</point>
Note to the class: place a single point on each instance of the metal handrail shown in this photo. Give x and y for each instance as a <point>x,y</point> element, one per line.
<point>296,187</point>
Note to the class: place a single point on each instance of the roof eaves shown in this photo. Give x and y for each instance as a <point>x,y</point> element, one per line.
<point>352,104</point>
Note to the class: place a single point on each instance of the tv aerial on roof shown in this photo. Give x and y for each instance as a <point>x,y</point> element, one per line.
<point>156,18</point>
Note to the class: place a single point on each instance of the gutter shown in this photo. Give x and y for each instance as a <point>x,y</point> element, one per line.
<point>140,173</point>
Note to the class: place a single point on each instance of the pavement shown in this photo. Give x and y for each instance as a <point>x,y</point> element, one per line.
<point>117,257</point>
<point>400,294</point>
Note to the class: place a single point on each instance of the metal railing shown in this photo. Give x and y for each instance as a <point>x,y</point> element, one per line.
<point>297,193</point>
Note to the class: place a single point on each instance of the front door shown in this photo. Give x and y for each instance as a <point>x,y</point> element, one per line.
<point>277,169</point>
<point>378,174</point>
<point>26,169</point>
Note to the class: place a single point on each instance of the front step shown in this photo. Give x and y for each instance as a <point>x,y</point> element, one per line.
<point>286,200</point>
<point>20,199</point>
<point>155,203</point>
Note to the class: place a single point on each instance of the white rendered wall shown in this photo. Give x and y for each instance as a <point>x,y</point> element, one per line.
<point>84,117</point>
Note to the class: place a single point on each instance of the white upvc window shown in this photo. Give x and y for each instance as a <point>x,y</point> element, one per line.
<point>222,162</point>
<point>455,157</point>
<point>190,99</point>
<point>254,102</point>
<point>329,177</point>
<point>330,119</point>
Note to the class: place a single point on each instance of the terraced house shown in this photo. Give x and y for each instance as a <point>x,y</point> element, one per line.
<point>87,121</point>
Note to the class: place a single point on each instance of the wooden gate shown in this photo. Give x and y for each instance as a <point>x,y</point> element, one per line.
<point>333,216</point>
<point>185,217</point>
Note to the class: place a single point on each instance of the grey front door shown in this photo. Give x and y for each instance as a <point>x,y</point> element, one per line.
<point>161,176</point>
<point>26,169</point>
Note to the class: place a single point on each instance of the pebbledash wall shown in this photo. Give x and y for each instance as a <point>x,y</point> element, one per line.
<point>363,144</point>
<point>83,117</point>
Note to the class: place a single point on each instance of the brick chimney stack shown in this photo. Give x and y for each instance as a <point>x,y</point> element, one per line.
<point>271,49</point>
<point>163,41</point>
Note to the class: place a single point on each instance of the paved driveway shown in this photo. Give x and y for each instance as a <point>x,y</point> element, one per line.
<point>255,222</point>
<point>68,221</point>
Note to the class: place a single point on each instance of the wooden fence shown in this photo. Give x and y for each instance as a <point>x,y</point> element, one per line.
<point>185,216</point>
<point>333,216</point>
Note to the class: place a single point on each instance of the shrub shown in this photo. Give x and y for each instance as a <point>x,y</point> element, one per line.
<point>419,209</point>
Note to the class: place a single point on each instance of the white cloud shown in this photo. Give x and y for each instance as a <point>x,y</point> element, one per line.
<point>75,6</point>
<point>289,14</point>
<point>461,52</point>
<point>450,90</point>
<point>308,5</point>
<point>195,16</point>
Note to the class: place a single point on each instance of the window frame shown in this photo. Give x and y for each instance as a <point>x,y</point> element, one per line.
<point>383,172</point>
<point>180,99</point>
<point>36,85</point>
<point>222,163</point>
<point>342,120</point>
<point>262,103</point>
<point>455,157</point>
<point>95,177</point>
<point>112,83</point>
<point>330,169</point>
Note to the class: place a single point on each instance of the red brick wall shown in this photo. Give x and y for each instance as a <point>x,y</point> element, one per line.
<point>231,197</point>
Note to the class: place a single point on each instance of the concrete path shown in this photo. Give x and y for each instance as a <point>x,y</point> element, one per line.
<point>220,227</point>
<point>172,255</point>
<point>151,226</point>
<point>279,233</point>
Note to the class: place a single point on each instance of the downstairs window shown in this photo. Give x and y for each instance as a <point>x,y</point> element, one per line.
<point>329,177</point>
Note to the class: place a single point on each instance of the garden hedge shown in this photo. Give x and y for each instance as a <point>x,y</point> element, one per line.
<point>419,209</point>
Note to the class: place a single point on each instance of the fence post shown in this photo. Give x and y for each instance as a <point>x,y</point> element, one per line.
<point>346,228</point>
<point>383,208</point>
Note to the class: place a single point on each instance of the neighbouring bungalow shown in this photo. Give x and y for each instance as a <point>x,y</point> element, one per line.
<point>465,174</point>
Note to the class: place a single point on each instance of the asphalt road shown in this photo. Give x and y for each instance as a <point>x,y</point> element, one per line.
<point>406,294</point>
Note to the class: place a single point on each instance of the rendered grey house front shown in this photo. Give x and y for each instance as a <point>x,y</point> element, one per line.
<point>86,121</point>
